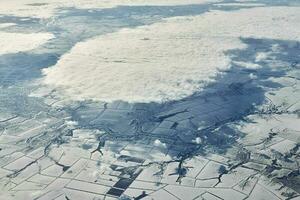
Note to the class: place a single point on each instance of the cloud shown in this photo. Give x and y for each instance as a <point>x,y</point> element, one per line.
<point>165,61</point>
<point>49,8</point>
<point>18,42</point>
<point>160,144</point>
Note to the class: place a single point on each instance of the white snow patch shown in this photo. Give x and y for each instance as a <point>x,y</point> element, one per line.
<point>17,42</point>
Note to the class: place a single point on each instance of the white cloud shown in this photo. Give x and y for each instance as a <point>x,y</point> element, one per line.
<point>197,140</point>
<point>16,42</point>
<point>5,25</point>
<point>164,61</point>
<point>47,9</point>
<point>168,60</point>
<point>158,143</point>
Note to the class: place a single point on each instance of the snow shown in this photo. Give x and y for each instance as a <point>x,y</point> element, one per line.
<point>157,147</point>
<point>184,192</point>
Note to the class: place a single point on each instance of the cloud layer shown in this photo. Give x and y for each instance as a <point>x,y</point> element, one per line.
<point>164,61</point>
<point>17,42</point>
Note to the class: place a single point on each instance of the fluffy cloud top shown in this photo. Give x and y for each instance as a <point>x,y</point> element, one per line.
<point>168,60</point>
<point>46,9</point>
<point>17,42</point>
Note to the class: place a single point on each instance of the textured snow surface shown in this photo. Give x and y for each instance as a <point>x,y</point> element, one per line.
<point>168,60</point>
